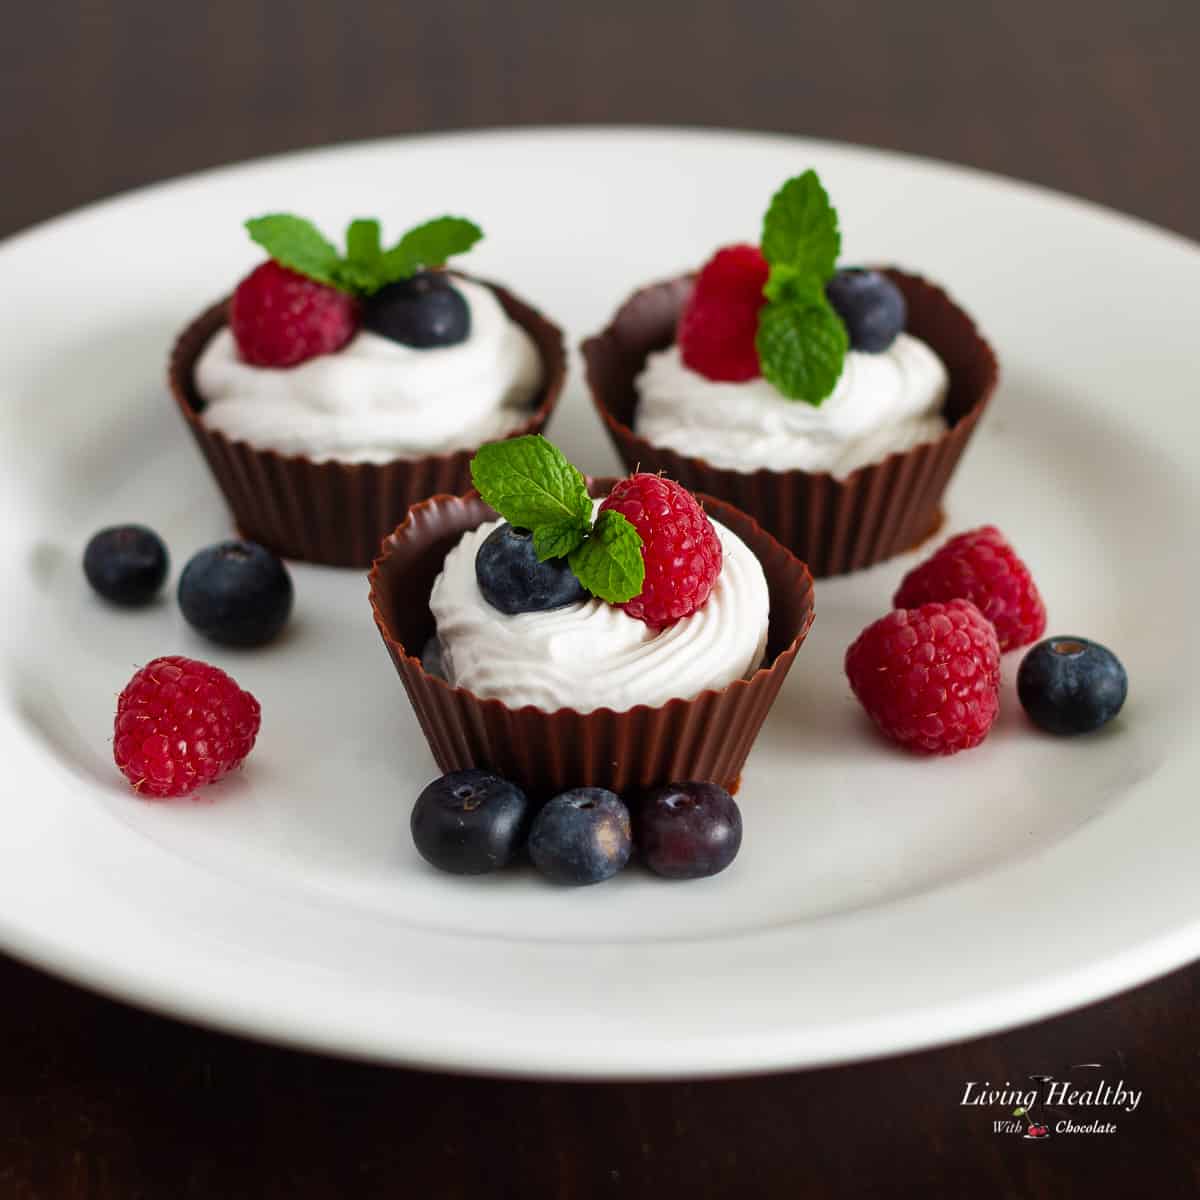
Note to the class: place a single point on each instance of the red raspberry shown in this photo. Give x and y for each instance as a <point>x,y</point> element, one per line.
<point>679,545</point>
<point>982,567</point>
<point>279,318</point>
<point>929,677</point>
<point>181,723</point>
<point>720,320</point>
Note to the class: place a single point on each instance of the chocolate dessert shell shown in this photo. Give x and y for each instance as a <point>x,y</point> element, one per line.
<point>334,512</point>
<point>707,737</point>
<point>835,525</point>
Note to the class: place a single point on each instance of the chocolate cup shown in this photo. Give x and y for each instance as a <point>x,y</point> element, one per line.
<point>706,737</point>
<point>334,512</point>
<point>835,525</point>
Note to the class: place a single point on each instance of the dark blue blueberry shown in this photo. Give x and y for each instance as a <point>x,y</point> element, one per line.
<point>581,836</point>
<point>871,306</point>
<point>512,580</point>
<point>237,593</point>
<point>424,311</point>
<point>688,830</point>
<point>126,564</point>
<point>1070,685</point>
<point>470,822</point>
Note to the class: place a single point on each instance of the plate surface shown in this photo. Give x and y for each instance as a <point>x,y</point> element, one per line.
<point>880,903</point>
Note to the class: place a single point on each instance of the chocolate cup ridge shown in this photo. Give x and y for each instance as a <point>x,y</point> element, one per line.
<point>334,512</point>
<point>706,737</point>
<point>835,525</point>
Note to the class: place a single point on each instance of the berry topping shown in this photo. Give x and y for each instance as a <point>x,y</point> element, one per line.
<point>720,320</point>
<point>180,724</point>
<point>237,593</point>
<point>470,822</point>
<point>513,580</point>
<point>126,564</point>
<point>688,830</point>
<point>424,311</point>
<point>581,836</point>
<point>982,567</point>
<point>929,677</point>
<point>280,318</point>
<point>680,547</point>
<point>871,305</point>
<point>1069,685</point>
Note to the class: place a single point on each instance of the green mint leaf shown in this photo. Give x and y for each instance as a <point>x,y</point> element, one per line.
<point>296,243</point>
<point>557,541</point>
<point>362,242</point>
<point>530,483</point>
<point>428,245</point>
<point>793,285</point>
<point>801,348</point>
<point>801,228</point>
<point>610,564</point>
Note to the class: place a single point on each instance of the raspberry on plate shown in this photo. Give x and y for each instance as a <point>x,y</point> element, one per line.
<point>719,323</point>
<point>182,723</point>
<point>929,677</point>
<point>280,318</point>
<point>680,547</point>
<point>981,566</point>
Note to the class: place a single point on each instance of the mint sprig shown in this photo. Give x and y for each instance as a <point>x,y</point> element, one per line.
<point>530,483</point>
<point>366,266</point>
<point>801,341</point>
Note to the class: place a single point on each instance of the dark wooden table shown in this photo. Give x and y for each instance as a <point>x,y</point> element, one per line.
<point>1098,97</point>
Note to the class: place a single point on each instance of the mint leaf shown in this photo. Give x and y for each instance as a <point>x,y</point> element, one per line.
<point>557,541</point>
<point>792,284</point>
<point>428,245</point>
<point>296,243</point>
<point>610,564</point>
<point>801,228</point>
<point>362,242</point>
<point>530,483</point>
<point>801,348</point>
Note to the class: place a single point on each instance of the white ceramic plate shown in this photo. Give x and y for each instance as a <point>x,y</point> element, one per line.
<point>880,903</point>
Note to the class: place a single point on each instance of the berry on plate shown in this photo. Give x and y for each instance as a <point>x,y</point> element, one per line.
<point>1070,685</point>
<point>126,564</point>
<point>871,306</point>
<point>237,593</point>
<point>581,836</point>
<point>513,579</point>
<point>981,566</point>
<point>688,830</point>
<point>680,547</point>
<point>423,311</point>
<point>470,822</point>
<point>719,323</point>
<point>180,724</point>
<point>929,677</point>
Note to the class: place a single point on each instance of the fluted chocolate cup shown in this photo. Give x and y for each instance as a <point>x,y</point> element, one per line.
<point>835,525</point>
<point>707,737</point>
<point>334,512</point>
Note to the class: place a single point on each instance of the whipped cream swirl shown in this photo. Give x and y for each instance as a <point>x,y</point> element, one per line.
<point>882,404</point>
<point>375,399</point>
<point>592,655</point>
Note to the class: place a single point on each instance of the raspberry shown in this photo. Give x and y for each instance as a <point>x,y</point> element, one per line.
<point>280,318</point>
<point>982,567</point>
<point>182,723</point>
<point>720,320</point>
<point>679,545</point>
<point>929,677</point>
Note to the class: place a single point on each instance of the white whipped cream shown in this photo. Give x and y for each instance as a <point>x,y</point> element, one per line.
<point>592,654</point>
<point>882,404</point>
<point>375,399</point>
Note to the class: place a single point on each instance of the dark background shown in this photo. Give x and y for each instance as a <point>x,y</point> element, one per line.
<point>1097,98</point>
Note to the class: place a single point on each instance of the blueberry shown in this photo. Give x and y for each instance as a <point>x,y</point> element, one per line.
<point>871,306</point>
<point>512,580</point>
<point>470,822</point>
<point>424,311</point>
<point>688,830</point>
<point>581,836</point>
<point>1070,685</point>
<point>237,593</point>
<point>126,564</point>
